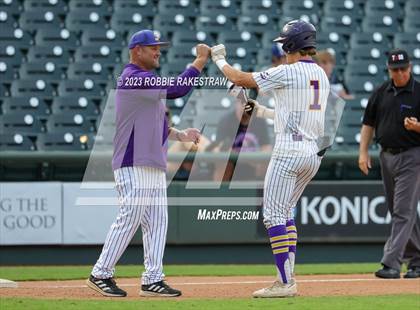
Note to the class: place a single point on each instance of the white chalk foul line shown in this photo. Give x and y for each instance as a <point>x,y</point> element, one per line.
<point>213,283</point>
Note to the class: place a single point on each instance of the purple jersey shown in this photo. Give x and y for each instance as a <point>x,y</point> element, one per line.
<point>141,124</point>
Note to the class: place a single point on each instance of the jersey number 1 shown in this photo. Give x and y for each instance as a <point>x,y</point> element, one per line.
<point>315,105</point>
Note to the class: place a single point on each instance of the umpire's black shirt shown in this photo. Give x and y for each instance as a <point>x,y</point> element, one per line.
<point>386,110</point>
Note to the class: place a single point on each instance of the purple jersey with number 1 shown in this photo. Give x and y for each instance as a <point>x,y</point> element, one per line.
<point>141,124</point>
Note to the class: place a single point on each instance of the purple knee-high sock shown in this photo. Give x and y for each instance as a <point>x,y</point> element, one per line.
<point>292,233</point>
<point>279,241</point>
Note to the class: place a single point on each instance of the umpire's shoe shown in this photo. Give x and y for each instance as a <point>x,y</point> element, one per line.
<point>158,289</point>
<point>412,273</point>
<point>106,287</point>
<point>388,273</point>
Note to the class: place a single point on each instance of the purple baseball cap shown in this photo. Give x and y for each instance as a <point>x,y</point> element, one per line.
<point>145,38</point>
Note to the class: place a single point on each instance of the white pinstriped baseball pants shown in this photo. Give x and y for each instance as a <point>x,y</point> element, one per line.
<point>143,201</point>
<point>285,180</point>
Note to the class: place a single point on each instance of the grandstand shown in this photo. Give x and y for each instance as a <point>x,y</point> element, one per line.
<point>59,58</point>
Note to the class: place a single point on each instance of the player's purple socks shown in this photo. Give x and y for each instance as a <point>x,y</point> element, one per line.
<point>292,233</point>
<point>279,241</point>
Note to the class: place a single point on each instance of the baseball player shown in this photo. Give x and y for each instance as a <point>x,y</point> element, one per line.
<point>139,164</point>
<point>300,89</point>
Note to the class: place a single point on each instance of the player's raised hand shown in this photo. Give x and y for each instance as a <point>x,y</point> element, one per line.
<point>203,51</point>
<point>190,135</point>
<point>218,52</point>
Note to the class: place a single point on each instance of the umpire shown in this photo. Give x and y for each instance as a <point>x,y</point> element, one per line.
<point>392,114</point>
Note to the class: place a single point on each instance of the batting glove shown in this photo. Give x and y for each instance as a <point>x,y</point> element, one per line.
<point>218,52</point>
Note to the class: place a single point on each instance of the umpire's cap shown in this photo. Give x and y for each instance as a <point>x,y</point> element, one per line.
<point>297,35</point>
<point>145,38</point>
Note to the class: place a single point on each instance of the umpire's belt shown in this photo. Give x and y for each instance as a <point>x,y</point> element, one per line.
<point>395,150</point>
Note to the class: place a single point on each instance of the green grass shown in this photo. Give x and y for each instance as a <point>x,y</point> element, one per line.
<point>129,271</point>
<point>301,303</point>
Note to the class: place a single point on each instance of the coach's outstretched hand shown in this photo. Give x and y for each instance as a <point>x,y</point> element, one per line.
<point>218,52</point>
<point>203,54</point>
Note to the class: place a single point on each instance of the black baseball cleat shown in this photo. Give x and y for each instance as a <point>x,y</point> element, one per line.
<point>387,273</point>
<point>106,287</point>
<point>412,273</point>
<point>158,289</point>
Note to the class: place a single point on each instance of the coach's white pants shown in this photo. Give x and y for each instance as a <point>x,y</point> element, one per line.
<point>142,199</point>
<point>284,183</point>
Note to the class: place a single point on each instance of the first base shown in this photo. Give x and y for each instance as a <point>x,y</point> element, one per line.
<point>8,283</point>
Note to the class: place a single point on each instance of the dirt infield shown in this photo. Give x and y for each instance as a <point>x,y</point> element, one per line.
<point>225,287</point>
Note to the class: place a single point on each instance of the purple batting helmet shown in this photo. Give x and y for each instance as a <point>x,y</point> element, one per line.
<point>297,35</point>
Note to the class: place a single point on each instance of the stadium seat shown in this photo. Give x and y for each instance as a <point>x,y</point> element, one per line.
<point>412,6</point>
<point>411,23</point>
<point>214,23</point>
<point>361,87</point>
<point>385,23</point>
<point>70,104</point>
<point>3,91</point>
<point>88,70</point>
<point>37,19</point>
<point>31,87</point>
<point>226,8</point>
<point>11,8</point>
<point>15,37</point>
<point>413,51</point>
<point>129,21</point>
<point>403,38</point>
<point>374,55</point>
<point>181,55</point>
<point>79,20</point>
<point>264,57</point>
<point>58,7</point>
<point>88,88</point>
<point>100,37</point>
<point>7,72</point>
<point>9,13</point>
<point>64,141</point>
<point>365,71</point>
<point>268,37</point>
<point>145,7</point>
<point>32,105</point>
<point>358,103</point>
<point>240,39</point>
<point>300,9</point>
<point>185,8</point>
<point>69,122</point>
<point>100,6</point>
<point>56,54</point>
<point>257,24</point>
<point>102,54</point>
<point>369,40</point>
<point>46,71</point>
<point>11,56</point>
<point>165,24</point>
<point>331,7</point>
<point>331,41</point>
<point>56,36</point>
<point>259,7</point>
<point>373,7</point>
<point>180,38</point>
<point>15,142</point>
<point>23,123</point>
<point>341,23</point>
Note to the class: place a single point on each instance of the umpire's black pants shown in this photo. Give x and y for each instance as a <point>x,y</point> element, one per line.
<point>401,179</point>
